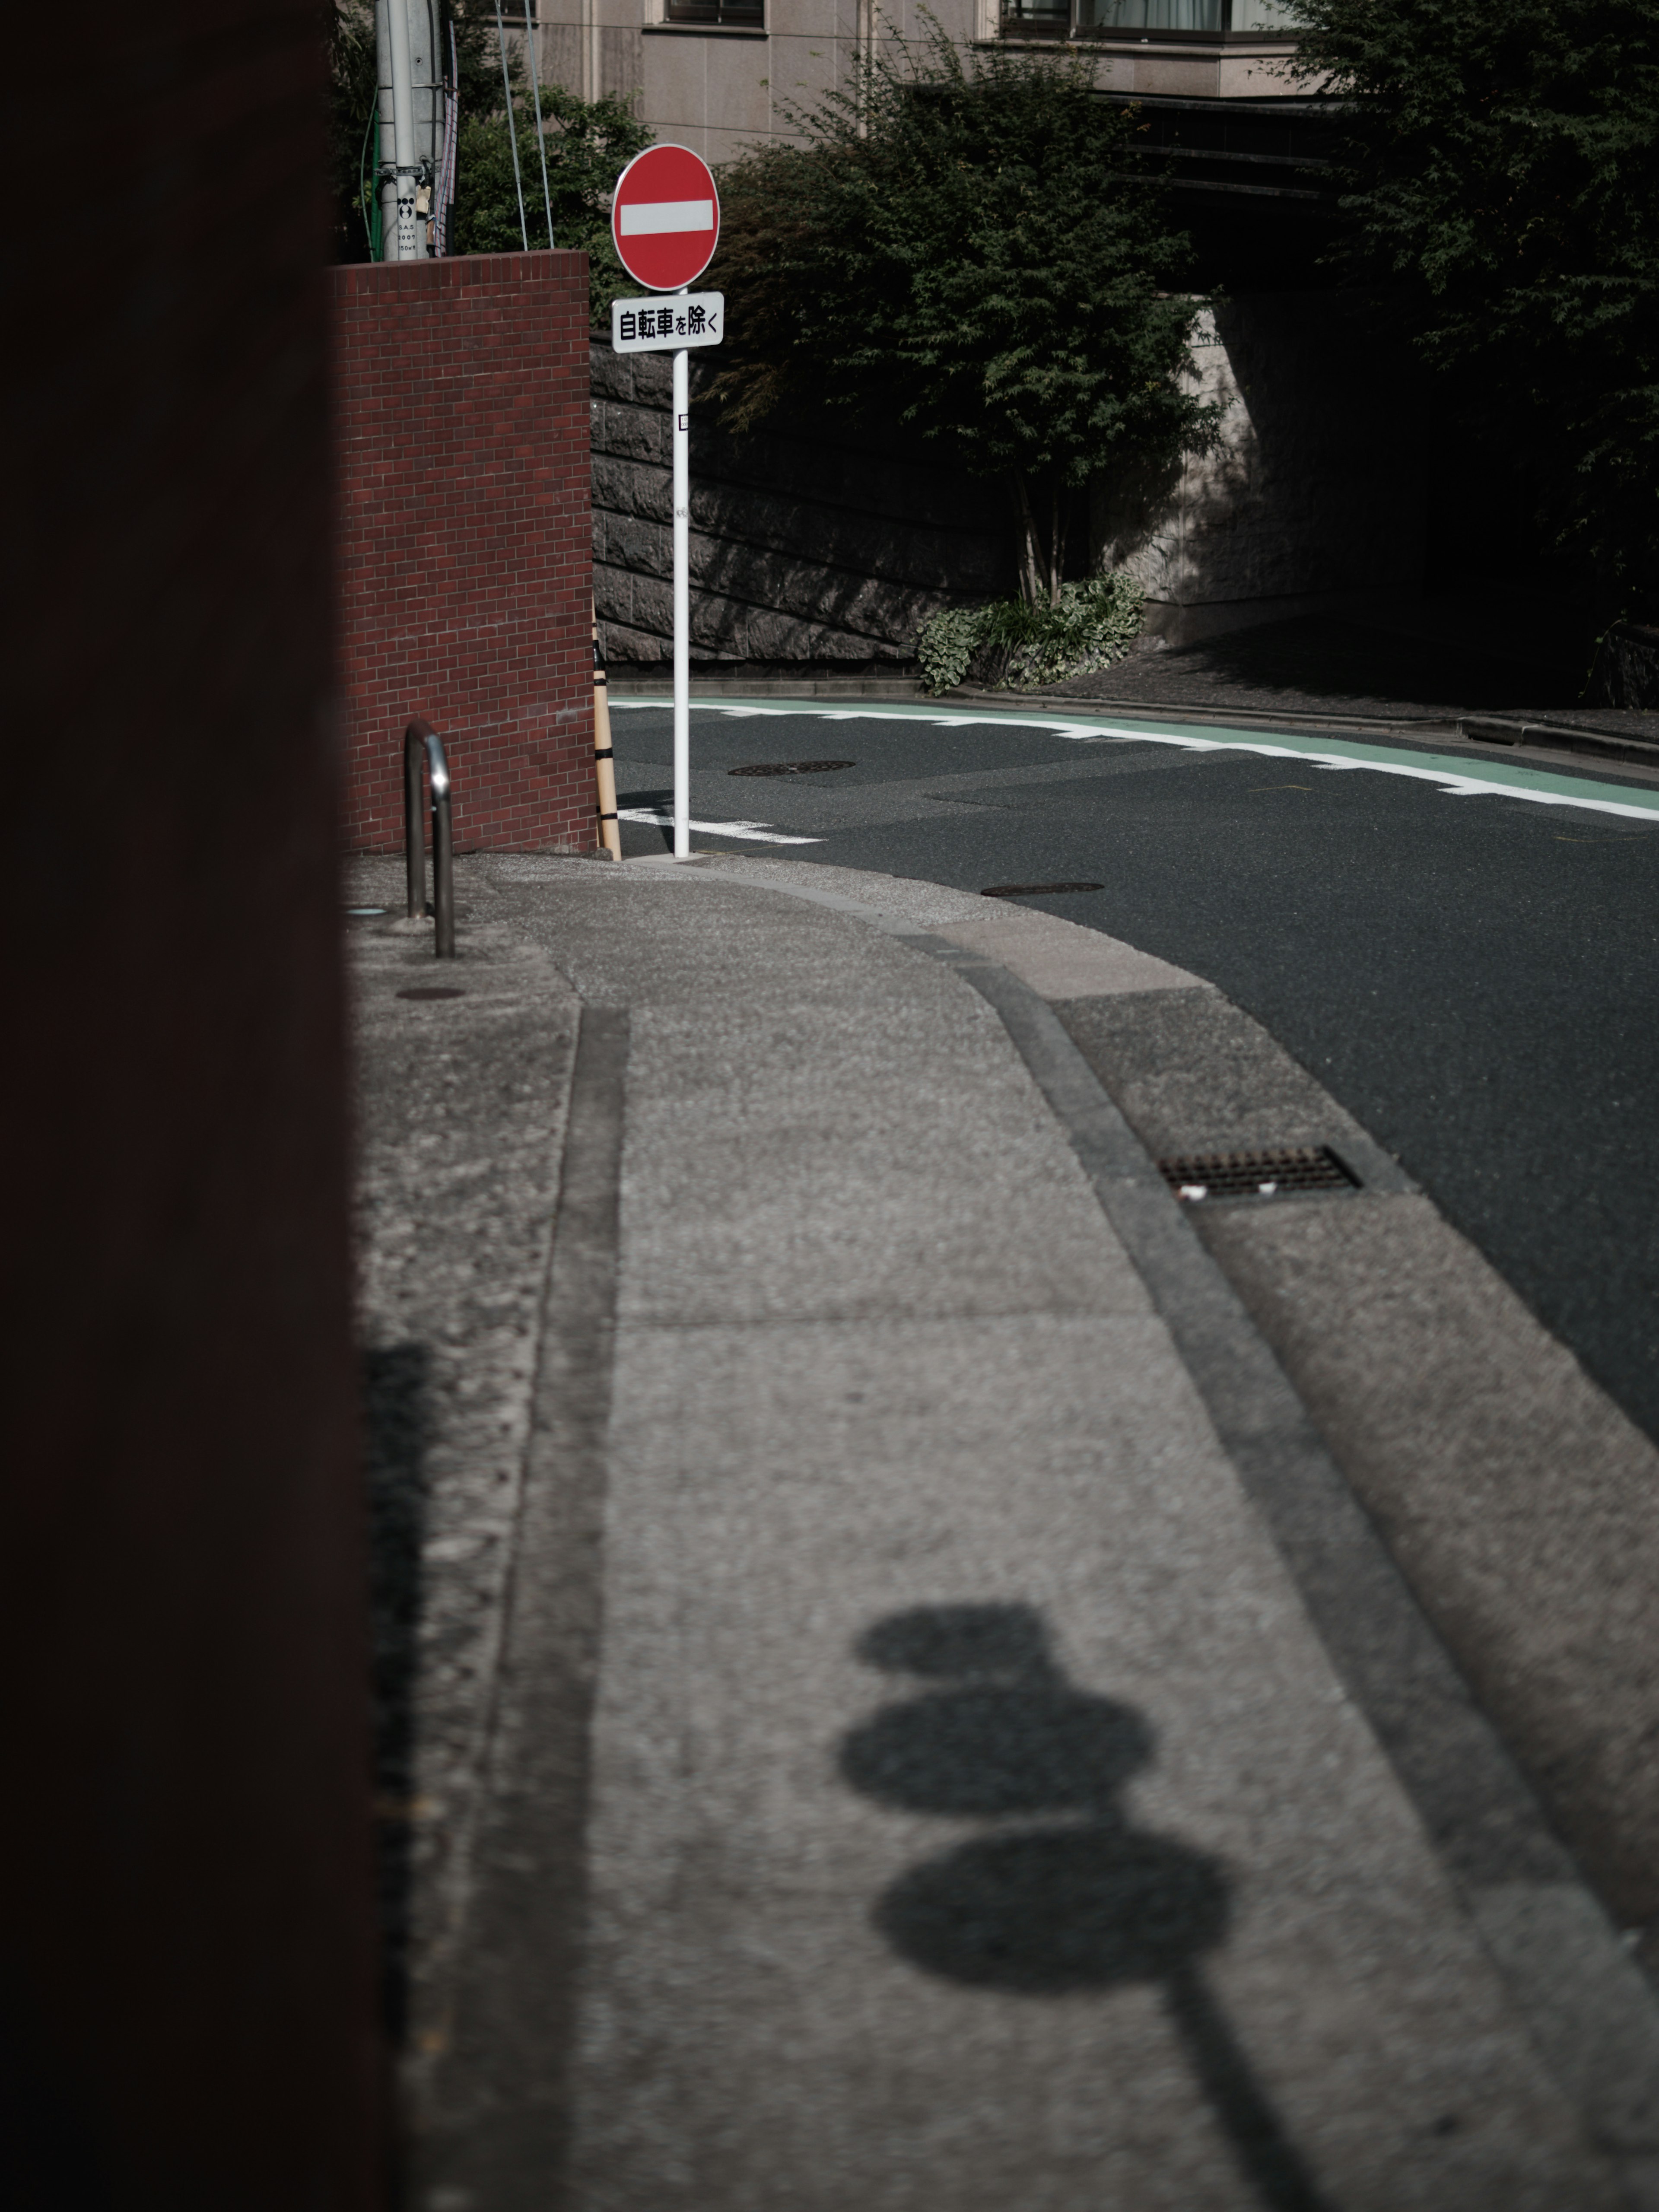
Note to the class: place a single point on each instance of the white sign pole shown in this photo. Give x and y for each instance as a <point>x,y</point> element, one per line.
<point>682,606</point>
<point>666,224</point>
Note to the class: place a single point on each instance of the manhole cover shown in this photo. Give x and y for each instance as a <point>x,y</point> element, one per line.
<point>790,768</point>
<point>1276,1174</point>
<point>433,993</point>
<point>1030,891</point>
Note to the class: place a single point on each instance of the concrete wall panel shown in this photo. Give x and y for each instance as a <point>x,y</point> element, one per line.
<point>813,541</point>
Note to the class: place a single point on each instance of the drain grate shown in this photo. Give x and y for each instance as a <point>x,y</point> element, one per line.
<point>1030,891</point>
<point>790,768</point>
<point>1280,1173</point>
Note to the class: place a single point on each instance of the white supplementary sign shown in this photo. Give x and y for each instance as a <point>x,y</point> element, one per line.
<point>645,218</point>
<point>664,326</point>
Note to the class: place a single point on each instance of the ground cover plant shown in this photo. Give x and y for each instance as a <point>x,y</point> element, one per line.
<point>1026,645</point>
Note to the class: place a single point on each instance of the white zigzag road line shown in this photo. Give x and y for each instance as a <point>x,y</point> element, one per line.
<point>757,832</point>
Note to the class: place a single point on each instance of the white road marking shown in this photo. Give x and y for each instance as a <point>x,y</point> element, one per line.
<point>646,218</point>
<point>1481,779</point>
<point>757,832</point>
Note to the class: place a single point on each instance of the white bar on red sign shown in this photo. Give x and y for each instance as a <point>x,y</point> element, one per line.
<point>666,324</point>
<point>647,218</point>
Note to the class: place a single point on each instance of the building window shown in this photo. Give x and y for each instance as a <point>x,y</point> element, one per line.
<point>724,15</point>
<point>1269,16</point>
<point>1036,19</point>
<point>1136,17</point>
<point>1147,19</point>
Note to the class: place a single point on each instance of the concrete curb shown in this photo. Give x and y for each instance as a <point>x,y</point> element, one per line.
<point>497,2115</point>
<point>1593,2014</point>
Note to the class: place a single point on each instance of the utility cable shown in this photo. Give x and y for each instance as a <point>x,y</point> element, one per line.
<point>511,126</point>
<point>541,137</point>
<point>452,163</point>
<point>443,190</point>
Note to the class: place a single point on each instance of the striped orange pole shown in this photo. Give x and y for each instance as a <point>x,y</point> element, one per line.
<point>605,760</point>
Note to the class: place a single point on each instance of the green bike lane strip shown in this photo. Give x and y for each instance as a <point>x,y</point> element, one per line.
<point>1456,777</point>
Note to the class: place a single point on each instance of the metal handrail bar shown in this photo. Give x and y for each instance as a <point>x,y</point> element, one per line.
<point>421,737</point>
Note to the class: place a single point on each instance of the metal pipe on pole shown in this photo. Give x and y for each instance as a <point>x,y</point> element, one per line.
<point>386,184</point>
<point>426,109</point>
<point>681,605</point>
<point>402,242</point>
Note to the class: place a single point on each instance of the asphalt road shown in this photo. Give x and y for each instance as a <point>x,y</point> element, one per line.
<point>1473,975</point>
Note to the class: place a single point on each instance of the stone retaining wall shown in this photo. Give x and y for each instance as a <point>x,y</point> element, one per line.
<point>818,544</point>
<point>1626,667</point>
<point>812,544</point>
<point>1312,502</point>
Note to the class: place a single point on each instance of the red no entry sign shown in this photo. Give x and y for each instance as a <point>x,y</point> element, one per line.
<point>665,217</point>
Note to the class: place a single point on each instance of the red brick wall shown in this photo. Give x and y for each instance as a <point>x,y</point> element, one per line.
<point>466,549</point>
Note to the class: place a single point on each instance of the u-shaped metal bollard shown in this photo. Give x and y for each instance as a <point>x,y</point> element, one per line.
<point>420,736</point>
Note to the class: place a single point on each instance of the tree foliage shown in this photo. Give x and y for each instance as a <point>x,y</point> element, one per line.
<point>353,87</point>
<point>975,250</point>
<point>587,144</point>
<point>1501,172</point>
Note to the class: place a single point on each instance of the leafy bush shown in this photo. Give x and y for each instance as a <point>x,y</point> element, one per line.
<point>1013,642</point>
<point>946,647</point>
<point>977,250</point>
<point>588,144</point>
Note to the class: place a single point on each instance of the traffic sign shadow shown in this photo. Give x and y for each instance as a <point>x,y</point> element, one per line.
<point>1083,1900</point>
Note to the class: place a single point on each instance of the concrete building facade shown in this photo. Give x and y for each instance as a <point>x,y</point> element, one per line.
<point>720,75</point>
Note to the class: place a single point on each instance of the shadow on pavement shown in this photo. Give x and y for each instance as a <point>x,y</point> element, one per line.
<point>1317,662</point>
<point>394,1384</point>
<point>1088,1902</point>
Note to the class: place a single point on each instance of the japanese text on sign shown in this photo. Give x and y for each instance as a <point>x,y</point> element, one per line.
<point>691,319</point>
<point>663,322</point>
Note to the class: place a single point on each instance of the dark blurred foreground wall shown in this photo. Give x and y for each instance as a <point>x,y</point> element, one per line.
<point>186,2011</point>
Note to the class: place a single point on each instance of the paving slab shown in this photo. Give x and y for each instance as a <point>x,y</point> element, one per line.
<point>936,1987</point>
<point>459,1108</point>
<point>974,1813</point>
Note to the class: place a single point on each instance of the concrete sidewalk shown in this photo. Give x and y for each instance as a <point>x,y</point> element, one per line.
<point>890,1686</point>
